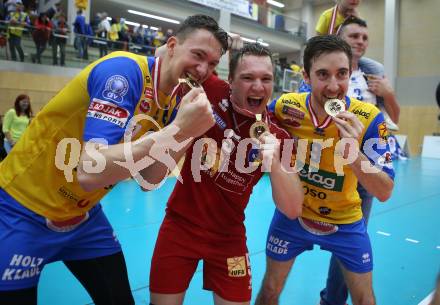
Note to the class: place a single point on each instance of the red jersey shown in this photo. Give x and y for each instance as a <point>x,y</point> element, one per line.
<point>217,202</point>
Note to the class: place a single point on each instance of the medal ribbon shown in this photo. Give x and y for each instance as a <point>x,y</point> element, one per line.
<point>156,80</point>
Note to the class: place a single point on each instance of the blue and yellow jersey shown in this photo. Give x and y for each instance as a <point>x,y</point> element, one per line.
<point>330,197</point>
<point>97,104</point>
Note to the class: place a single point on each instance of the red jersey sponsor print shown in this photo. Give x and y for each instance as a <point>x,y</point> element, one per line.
<point>108,111</point>
<point>217,203</point>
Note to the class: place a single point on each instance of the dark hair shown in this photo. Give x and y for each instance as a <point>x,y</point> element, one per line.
<point>352,20</point>
<point>17,108</point>
<point>324,44</point>
<point>255,49</point>
<point>198,22</point>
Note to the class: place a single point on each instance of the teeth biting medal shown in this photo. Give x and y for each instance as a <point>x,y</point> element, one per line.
<point>190,82</point>
<point>334,106</point>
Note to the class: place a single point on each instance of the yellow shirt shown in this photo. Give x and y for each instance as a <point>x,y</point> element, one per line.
<point>329,197</point>
<point>324,21</point>
<point>97,103</point>
<point>14,124</point>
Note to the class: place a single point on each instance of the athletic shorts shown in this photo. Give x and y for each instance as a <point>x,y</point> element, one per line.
<point>179,247</point>
<point>28,241</point>
<point>350,243</point>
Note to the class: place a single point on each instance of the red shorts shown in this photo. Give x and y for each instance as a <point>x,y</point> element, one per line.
<point>180,246</point>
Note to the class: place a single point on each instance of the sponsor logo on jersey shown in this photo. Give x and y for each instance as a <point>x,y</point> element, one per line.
<point>224,105</point>
<point>386,160</point>
<point>363,113</point>
<point>290,102</point>
<point>116,87</point>
<point>237,266</point>
<point>219,121</point>
<point>383,132</point>
<point>293,112</point>
<point>145,105</point>
<point>324,210</point>
<point>322,179</point>
<point>291,122</point>
<point>148,93</point>
<point>108,111</point>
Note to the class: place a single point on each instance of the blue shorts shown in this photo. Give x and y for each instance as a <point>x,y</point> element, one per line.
<point>27,243</point>
<point>350,243</point>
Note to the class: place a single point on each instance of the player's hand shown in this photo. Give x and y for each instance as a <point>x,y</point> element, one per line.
<point>235,42</point>
<point>378,85</point>
<point>349,125</point>
<point>269,148</point>
<point>195,115</point>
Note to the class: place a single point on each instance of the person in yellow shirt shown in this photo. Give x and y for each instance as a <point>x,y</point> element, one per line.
<point>322,123</point>
<point>117,118</point>
<point>16,120</point>
<point>331,20</point>
<point>17,21</point>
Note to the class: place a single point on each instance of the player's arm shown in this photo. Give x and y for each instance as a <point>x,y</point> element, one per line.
<point>381,87</point>
<point>107,149</point>
<point>193,119</point>
<point>194,110</point>
<point>287,191</point>
<point>378,183</point>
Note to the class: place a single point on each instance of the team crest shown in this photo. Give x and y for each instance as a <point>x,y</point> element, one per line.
<point>116,87</point>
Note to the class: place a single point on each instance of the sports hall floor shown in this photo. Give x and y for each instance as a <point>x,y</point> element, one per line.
<point>405,234</point>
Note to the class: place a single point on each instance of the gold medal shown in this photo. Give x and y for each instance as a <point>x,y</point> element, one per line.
<point>334,106</point>
<point>190,82</point>
<point>258,128</point>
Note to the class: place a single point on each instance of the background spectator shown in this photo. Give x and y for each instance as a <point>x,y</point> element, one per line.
<point>41,34</point>
<point>58,41</point>
<point>16,120</point>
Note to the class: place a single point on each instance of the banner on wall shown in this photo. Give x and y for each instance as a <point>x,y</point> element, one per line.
<point>237,7</point>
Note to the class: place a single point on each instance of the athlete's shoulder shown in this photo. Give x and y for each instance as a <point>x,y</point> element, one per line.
<point>276,127</point>
<point>291,100</point>
<point>365,112</point>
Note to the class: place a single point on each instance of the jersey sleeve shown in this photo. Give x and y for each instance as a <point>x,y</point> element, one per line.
<point>375,145</point>
<point>114,87</point>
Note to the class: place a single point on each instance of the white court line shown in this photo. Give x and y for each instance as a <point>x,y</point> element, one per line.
<point>412,240</point>
<point>383,233</point>
<point>427,300</point>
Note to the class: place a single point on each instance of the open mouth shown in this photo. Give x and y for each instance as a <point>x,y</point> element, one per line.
<point>254,102</point>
